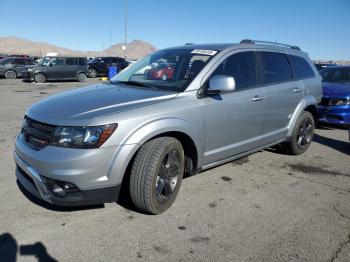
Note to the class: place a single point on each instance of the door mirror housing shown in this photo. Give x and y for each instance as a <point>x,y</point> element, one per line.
<point>221,84</point>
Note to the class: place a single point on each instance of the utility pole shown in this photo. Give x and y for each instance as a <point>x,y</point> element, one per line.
<point>125,26</point>
<point>110,40</point>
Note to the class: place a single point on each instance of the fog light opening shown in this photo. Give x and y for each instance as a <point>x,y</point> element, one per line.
<point>58,191</point>
<point>60,188</point>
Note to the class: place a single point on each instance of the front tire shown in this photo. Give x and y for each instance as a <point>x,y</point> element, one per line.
<point>156,174</point>
<point>302,135</point>
<point>40,78</point>
<point>10,74</point>
<point>92,73</point>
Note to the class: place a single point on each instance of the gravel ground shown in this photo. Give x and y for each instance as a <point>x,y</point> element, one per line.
<point>265,207</point>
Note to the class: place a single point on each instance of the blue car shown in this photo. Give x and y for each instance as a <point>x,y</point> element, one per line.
<point>335,105</point>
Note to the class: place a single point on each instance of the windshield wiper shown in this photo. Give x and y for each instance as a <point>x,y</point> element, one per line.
<point>135,83</point>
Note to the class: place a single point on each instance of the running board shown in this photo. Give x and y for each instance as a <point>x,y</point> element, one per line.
<point>226,160</point>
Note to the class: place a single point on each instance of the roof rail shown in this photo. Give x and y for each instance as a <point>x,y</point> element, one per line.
<point>189,43</point>
<point>249,41</point>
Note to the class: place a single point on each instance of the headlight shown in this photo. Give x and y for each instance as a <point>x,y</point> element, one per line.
<point>30,69</point>
<point>82,137</point>
<point>339,101</point>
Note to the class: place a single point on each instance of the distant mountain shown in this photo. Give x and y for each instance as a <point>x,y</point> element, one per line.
<point>15,45</point>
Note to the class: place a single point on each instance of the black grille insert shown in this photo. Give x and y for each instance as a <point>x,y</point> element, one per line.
<point>38,134</point>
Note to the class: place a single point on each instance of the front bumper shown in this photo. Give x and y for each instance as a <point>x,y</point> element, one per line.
<point>337,115</point>
<point>35,184</point>
<point>89,170</point>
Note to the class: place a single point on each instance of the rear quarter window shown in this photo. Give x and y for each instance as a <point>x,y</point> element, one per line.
<point>275,68</point>
<point>301,67</point>
<point>82,61</point>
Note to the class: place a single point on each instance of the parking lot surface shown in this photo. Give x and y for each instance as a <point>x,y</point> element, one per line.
<point>265,207</point>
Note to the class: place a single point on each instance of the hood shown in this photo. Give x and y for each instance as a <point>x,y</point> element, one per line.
<point>80,106</point>
<point>336,90</point>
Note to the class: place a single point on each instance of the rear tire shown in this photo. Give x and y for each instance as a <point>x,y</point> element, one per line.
<point>10,74</point>
<point>156,174</point>
<point>302,135</point>
<point>40,78</point>
<point>81,77</point>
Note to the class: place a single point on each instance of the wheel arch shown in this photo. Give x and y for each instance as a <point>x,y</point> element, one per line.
<point>123,160</point>
<point>81,72</point>
<point>11,69</point>
<point>308,103</point>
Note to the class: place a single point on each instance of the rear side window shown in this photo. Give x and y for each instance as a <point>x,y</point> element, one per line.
<point>242,67</point>
<point>275,68</point>
<point>19,62</point>
<point>301,67</point>
<point>70,61</point>
<point>82,61</point>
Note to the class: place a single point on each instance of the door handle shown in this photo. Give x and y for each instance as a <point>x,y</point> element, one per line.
<point>296,90</point>
<point>257,98</point>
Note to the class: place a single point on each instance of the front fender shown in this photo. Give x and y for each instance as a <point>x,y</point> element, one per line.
<point>304,103</point>
<point>142,133</point>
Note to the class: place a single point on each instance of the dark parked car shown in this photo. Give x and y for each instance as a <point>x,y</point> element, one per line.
<point>13,67</point>
<point>320,66</point>
<point>2,56</point>
<point>58,68</point>
<point>99,65</point>
<point>335,105</point>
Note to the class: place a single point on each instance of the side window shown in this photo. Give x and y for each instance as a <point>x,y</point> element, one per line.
<point>242,67</point>
<point>82,61</point>
<point>19,62</point>
<point>301,67</point>
<point>29,62</point>
<point>275,68</point>
<point>57,61</point>
<point>70,61</point>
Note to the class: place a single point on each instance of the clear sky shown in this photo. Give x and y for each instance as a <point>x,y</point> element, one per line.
<point>320,27</point>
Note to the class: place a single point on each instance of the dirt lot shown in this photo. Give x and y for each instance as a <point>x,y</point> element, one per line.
<point>266,207</point>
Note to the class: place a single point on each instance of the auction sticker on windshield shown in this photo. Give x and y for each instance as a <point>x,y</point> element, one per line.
<point>204,52</point>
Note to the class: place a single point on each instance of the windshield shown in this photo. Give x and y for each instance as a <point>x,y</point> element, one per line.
<point>6,61</point>
<point>44,61</point>
<point>170,69</point>
<point>336,75</point>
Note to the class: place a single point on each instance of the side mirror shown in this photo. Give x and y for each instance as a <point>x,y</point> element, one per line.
<point>221,84</point>
<point>50,65</point>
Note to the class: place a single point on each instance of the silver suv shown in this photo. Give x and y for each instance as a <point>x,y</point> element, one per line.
<point>175,112</point>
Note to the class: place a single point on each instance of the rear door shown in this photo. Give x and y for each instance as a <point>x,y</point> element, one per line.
<point>71,67</point>
<point>283,94</point>
<point>233,121</point>
<point>19,66</point>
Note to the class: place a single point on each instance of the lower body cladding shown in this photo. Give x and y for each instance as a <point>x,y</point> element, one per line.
<point>72,177</point>
<point>337,115</point>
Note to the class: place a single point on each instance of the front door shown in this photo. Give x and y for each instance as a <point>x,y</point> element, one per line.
<point>233,121</point>
<point>57,69</point>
